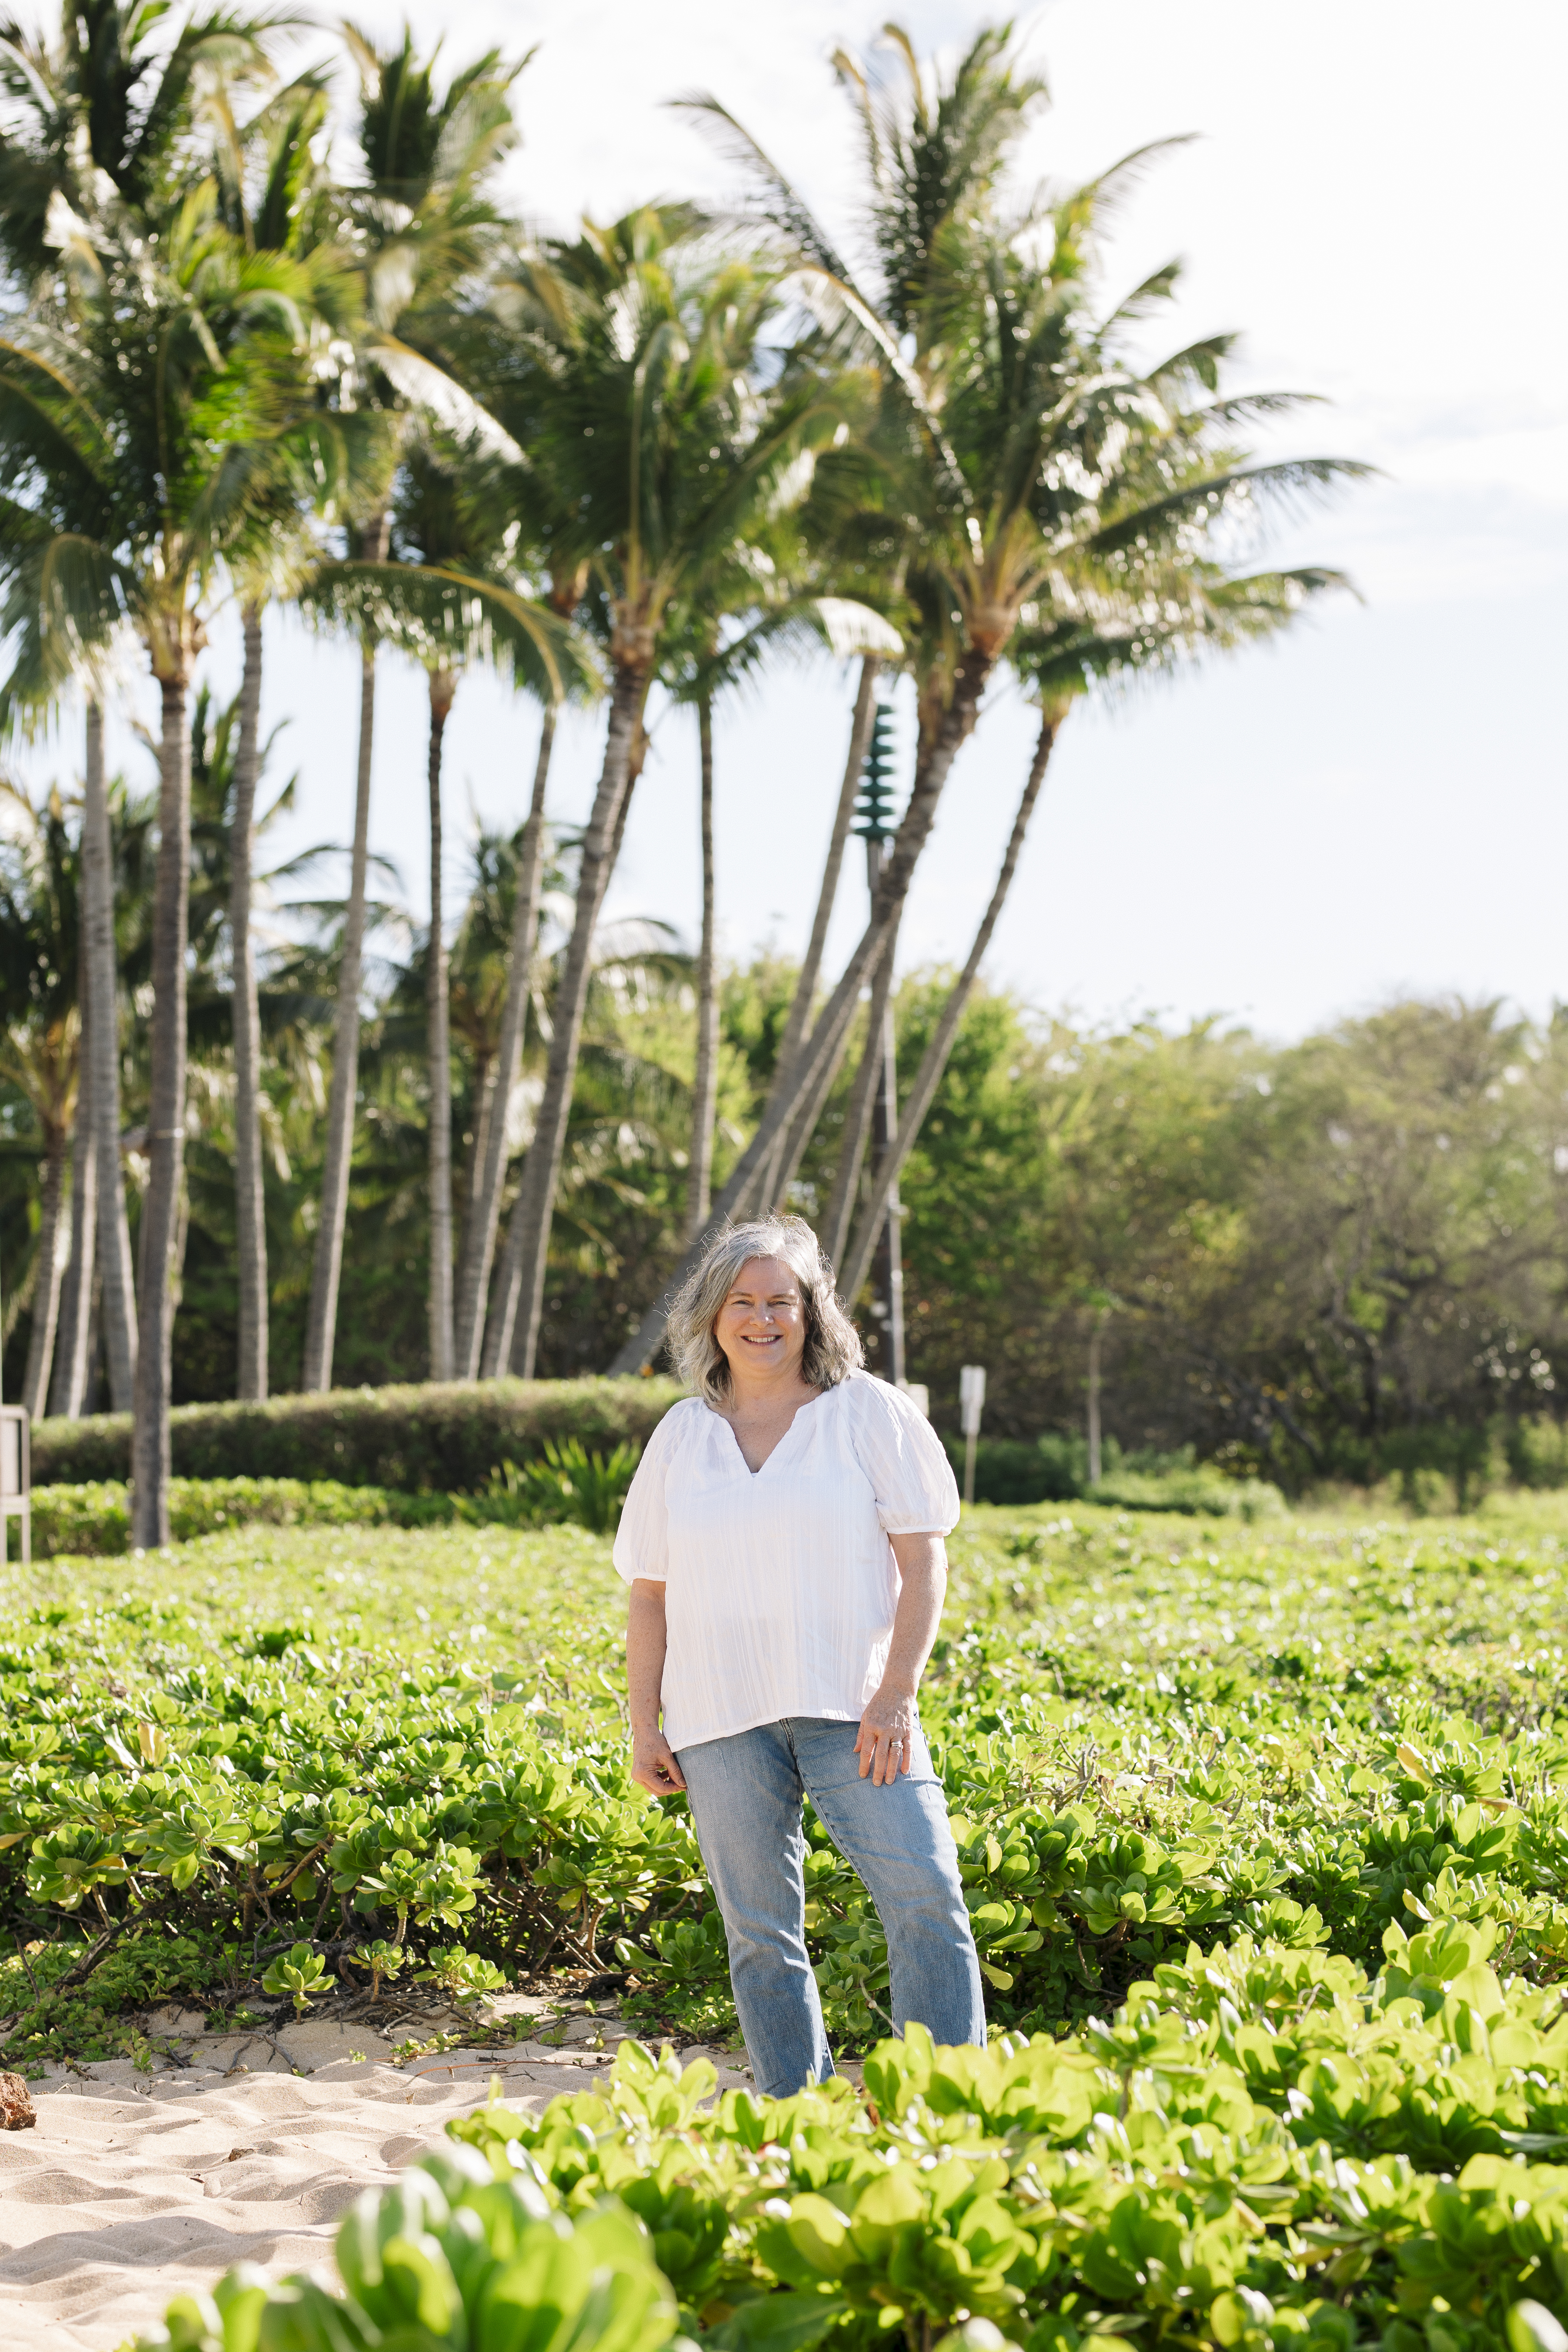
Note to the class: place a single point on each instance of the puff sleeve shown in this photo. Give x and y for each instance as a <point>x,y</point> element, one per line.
<point>903,1457</point>
<point>642,1539</point>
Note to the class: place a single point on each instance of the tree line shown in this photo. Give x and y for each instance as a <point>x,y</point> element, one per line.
<point>1335,1260</point>
<point>646,460</point>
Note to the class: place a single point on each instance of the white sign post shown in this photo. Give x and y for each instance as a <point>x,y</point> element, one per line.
<point>16,1477</point>
<point>970,1398</point>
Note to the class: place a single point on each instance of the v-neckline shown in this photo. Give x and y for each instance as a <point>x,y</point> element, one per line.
<point>778,1442</point>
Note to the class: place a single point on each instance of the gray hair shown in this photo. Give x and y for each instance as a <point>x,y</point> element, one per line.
<point>833,1347</point>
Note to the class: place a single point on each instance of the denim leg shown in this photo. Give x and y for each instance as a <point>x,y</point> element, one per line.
<point>745,1795</point>
<point>897,1839</point>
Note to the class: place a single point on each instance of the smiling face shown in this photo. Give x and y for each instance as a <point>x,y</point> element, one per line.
<point>762,1325</point>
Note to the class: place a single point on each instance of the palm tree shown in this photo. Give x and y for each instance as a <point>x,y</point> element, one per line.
<point>227,762</point>
<point>932,168</point>
<point>705,1074</point>
<point>639,329</point>
<point>1027,448</point>
<point>152,426</point>
<point>932,173</point>
<point>276,195</point>
<point>40,1046</point>
<point>69,1377</point>
<point>450,594</point>
<point>1193,612</point>
<point>449,527</point>
<point>483,1221</point>
<point>423,223</point>
<point>803,1003</point>
<point>100,1042</point>
<point>109,98</point>
<point>250,1198</point>
<point>771,599</point>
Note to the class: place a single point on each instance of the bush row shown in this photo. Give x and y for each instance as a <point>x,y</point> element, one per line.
<point>434,1438</point>
<point>1055,1469</point>
<point>447,1438</point>
<point>93,1521</point>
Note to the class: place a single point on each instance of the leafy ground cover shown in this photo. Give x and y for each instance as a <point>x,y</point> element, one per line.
<point>1153,1732</point>
<point>1262,2149</point>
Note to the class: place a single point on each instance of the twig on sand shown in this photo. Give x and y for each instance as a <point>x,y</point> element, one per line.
<point>277,2052</point>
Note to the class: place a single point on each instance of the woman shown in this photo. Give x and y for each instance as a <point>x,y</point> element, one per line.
<point>783,1540</point>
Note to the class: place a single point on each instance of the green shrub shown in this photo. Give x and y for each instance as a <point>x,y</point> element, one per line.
<point>1199,1492</point>
<point>443,1438</point>
<point>448,2257</point>
<point>1015,1470</point>
<point>1265,2150</point>
<point>1149,1734</point>
<point>1055,1469</point>
<point>1536,1452</point>
<point>567,1484</point>
<point>1440,1457</point>
<point>94,1522</point>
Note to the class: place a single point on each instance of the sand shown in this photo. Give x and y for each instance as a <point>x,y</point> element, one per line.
<point>136,2187</point>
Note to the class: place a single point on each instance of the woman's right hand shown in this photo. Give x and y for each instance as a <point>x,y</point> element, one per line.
<point>655,1765</point>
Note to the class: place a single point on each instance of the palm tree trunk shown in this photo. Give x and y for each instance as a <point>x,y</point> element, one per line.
<point>474,1274</point>
<point>1096,1334</point>
<point>70,1378</point>
<point>858,1119</point>
<point>46,1282</point>
<point>789,1155</point>
<point>250,1212</point>
<point>927,1078</point>
<point>796,1027</point>
<point>705,1082</point>
<point>793,1082</point>
<point>482,1083</point>
<point>887,1281</point>
<point>320,1328</point>
<point>165,1125</point>
<point>439,1054</point>
<point>523,1348</point>
<point>89,1392</point>
<point>102,1080</point>
<point>521,1295</point>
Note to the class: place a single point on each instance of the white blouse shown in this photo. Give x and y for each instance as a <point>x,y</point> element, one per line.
<point>780,1583</point>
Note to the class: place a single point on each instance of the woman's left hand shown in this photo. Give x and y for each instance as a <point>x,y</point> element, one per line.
<point>886,1738</point>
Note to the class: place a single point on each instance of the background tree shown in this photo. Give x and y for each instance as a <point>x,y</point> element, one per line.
<point>420,220</point>
<point>1156,621</point>
<point>40,1050</point>
<point>167,402</point>
<point>276,195</point>
<point>1025,444</point>
<point>656,339</point>
<point>110,100</point>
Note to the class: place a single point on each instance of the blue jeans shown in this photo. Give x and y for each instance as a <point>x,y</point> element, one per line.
<point>746,1793</point>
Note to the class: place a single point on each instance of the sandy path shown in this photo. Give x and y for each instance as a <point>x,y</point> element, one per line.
<point>135,2189</point>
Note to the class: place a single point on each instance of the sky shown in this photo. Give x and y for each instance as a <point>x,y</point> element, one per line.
<point>1377,806</point>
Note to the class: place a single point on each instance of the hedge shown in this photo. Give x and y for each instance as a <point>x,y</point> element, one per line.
<point>93,1520</point>
<point>435,1438</point>
<point>1055,1469</point>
